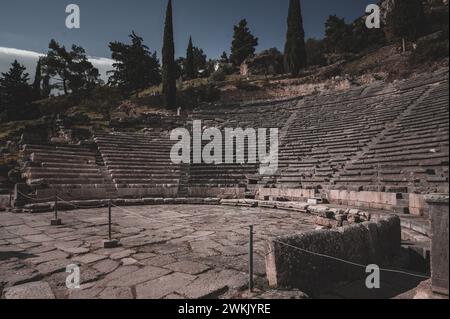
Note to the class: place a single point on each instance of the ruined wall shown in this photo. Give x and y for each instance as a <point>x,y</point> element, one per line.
<point>367,243</point>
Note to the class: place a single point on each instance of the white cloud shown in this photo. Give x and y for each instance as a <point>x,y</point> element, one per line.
<point>30,58</point>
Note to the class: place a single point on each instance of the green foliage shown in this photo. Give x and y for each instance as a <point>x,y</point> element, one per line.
<point>341,37</point>
<point>218,75</point>
<point>70,71</point>
<point>16,94</point>
<point>338,35</point>
<point>136,67</point>
<point>315,51</point>
<point>37,84</point>
<point>243,44</point>
<point>195,62</point>
<point>406,20</point>
<point>189,66</point>
<point>430,51</point>
<point>364,38</point>
<point>103,100</point>
<point>224,58</point>
<point>169,71</point>
<point>295,51</point>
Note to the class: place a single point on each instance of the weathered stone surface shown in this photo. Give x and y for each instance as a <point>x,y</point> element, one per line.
<point>116,293</point>
<point>439,212</point>
<point>53,266</point>
<point>128,261</point>
<point>38,238</point>
<point>89,258</point>
<point>188,267</point>
<point>122,254</point>
<point>106,266</point>
<point>292,262</point>
<point>283,294</point>
<point>137,277</point>
<point>32,290</point>
<point>213,283</point>
<point>163,286</point>
<point>47,256</point>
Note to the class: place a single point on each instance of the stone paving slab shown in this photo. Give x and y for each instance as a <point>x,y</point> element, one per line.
<point>32,290</point>
<point>166,251</point>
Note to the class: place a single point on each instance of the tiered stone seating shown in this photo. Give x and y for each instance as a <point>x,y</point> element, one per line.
<point>70,170</point>
<point>413,154</point>
<point>330,132</point>
<point>140,164</point>
<point>4,185</point>
<point>223,175</point>
<point>256,115</point>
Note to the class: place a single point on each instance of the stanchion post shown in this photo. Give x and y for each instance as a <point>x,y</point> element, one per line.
<point>56,221</point>
<point>109,221</point>
<point>250,260</point>
<point>110,243</point>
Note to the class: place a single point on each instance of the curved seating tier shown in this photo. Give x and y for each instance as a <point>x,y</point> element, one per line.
<point>139,164</point>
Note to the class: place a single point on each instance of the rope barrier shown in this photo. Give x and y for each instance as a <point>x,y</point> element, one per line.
<point>349,262</point>
<point>82,207</point>
<point>36,199</point>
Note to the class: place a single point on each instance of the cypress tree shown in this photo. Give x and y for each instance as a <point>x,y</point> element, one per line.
<point>190,63</point>
<point>295,49</point>
<point>169,88</point>
<point>37,80</point>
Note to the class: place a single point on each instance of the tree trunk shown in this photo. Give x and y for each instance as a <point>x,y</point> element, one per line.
<point>403,45</point>
<point>65,87</point>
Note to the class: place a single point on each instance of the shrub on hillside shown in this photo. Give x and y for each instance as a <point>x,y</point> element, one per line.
<point>430,51</point>
<point>218,76</point>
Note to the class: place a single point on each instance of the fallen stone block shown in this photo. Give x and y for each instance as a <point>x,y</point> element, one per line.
<point>327,222</point>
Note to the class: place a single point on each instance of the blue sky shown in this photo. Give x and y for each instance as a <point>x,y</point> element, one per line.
<point>30,24</point>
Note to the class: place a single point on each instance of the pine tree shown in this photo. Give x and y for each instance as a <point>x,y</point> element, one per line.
<point>295,50</point>
<point>190,63</point>
<point>406,20</point>
<point>243,45</point>
<point>136,67</point>
<point>16,93</point>
<point>37,80</point>
<point>169,89</point>
<point>70,71</point>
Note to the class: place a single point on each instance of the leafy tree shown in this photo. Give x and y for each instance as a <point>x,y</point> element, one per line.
<point>338,35</point>
<point>315,51</point>
<point>189,68</point>
<point>70,71</point>
<point>243,45</point>
<point>295,51</point>
<point>136,67</point>
<point>16,94</point>
<point>169,89</point>
<point>406,20</point>
<point>364,38</point>
<point>200,61</point>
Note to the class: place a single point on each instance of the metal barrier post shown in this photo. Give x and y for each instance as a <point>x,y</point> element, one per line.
<point>56,221</point>
<point>250,260</point>
<point>110,243</point>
